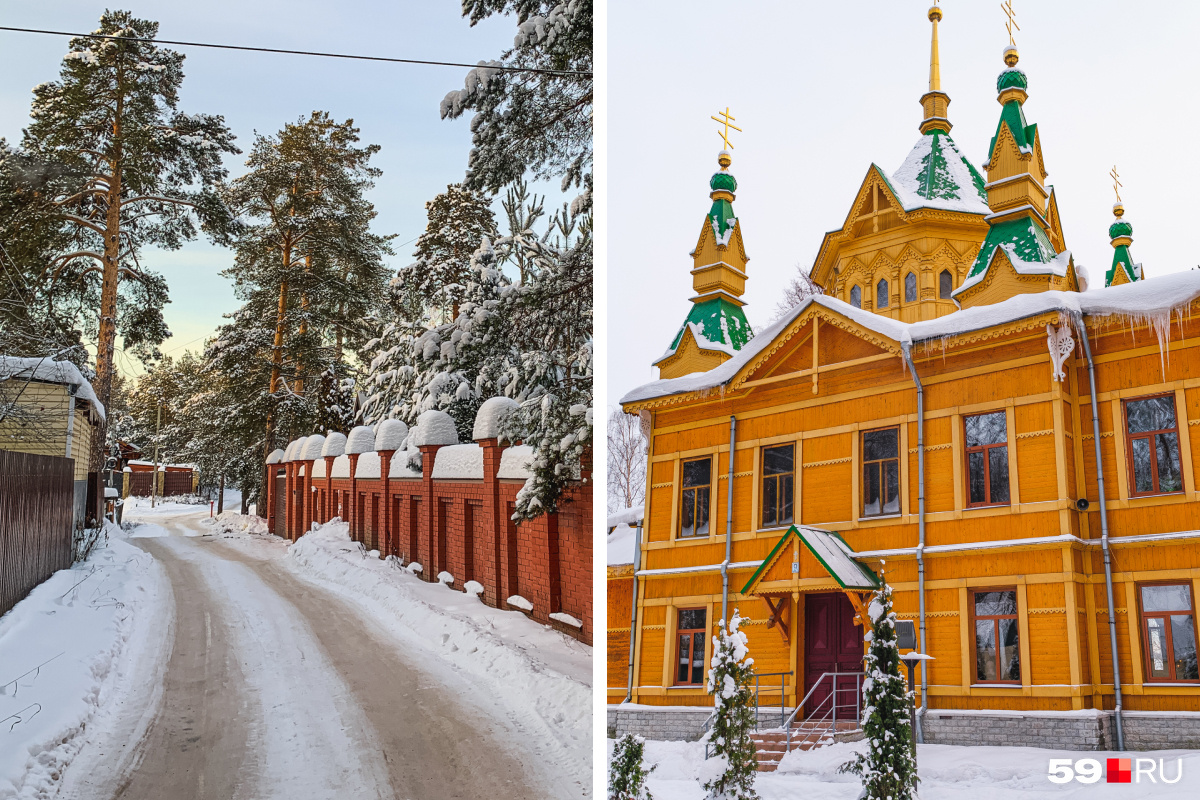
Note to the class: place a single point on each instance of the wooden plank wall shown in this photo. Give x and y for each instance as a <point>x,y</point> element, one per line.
<point>36,498</point>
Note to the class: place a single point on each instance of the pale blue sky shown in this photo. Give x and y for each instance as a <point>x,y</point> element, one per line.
<point>395,105</point>
<point>824,89</point>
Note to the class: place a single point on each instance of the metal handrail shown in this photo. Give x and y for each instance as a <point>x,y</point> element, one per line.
<point>830,716</point>
<point>782,693</point>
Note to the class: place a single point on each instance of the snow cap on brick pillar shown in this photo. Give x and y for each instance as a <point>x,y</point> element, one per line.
<point>360,440</point>
<point>290,456</point>
<point>312,451</point>
<point>488,424</point>
<point>275,457</point>
<point>389,437</point>
<point>335,445</point>
<point>491,417</point>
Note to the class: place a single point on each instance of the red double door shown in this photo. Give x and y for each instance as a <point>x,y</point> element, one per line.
<point>832,643</point>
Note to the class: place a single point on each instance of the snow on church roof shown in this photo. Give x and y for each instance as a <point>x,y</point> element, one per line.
<point>1152,300</point>
<point>937,175</point>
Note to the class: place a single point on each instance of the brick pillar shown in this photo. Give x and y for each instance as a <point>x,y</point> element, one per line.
<point>125,484</point>
<point>388,547</point>
<point>309,510</point>
<point>428,456</point>
<point>491,522</point>
<point>352,514</point>
<point>285,502</point>
<point>329,504</point>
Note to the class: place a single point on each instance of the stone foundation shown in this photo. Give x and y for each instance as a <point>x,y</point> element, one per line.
<point>1146,730</point>
<point>662,723</point>
<point>1057,731</point>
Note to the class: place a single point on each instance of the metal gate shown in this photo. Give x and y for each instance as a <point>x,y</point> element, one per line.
<point>36,502</point>
<point>141,483</point>
<point>176,483</point>
<point>281,505</point>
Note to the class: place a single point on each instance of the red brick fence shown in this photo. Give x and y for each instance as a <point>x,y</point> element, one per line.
<point>451,514</point>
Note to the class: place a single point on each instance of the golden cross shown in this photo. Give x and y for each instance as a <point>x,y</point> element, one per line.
<point>724,134</point>
<point>1116,182</point>
<point>1007,8</point>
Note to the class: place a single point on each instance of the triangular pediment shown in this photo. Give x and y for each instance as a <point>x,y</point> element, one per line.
<point>710,251</point>
<point>827,547</point>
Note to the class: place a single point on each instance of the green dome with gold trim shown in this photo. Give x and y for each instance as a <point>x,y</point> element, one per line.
<point>723,182</point>
<point>1011,78</point>
<point>1120,228</point>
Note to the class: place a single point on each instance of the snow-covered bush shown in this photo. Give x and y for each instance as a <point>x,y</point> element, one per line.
<point>888,769</point>
<point>627,774</point>
<point>733,750</point>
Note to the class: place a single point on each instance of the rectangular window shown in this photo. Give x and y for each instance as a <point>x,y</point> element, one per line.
<point>1169,632</point>
<point>881,472</point>
<point>987,459</point>
<point>997,650</point>
<point>778,470</point>
<point>690,636</point>
<point>697,483</point>
<point>1153,454</point>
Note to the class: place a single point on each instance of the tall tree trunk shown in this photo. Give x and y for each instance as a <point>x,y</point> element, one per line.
<point>107,342</point>
<point>303,323</point>
<point>221,496</point>
<point>276,360</point>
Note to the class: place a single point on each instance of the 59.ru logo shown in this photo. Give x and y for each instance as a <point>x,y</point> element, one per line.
<point>1115,770</point>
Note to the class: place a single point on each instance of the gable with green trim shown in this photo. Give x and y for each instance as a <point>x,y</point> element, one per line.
<point>1027,239</point>
<point>830,550</point>
<point>720,322</point>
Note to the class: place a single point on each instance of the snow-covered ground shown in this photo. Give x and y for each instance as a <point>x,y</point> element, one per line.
<point>977,773</point>
<point>64,652</point>
<point>540,678</point>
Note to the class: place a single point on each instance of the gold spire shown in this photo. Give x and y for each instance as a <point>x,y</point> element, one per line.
<point>935,102</point>
<point>935,67</point>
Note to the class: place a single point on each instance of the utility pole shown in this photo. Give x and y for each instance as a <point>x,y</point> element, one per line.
<point>221,496</point>
<point>154,482</point>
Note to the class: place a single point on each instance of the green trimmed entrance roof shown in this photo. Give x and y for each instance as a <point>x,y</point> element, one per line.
<point>719,324</point>
<point>831,550</point>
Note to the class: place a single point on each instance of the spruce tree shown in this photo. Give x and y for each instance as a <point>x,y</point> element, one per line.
<point>888,769</point>
<point>729,679</point>
<point>627,774</point>
<point>121,170</point>
<point>459,219</point>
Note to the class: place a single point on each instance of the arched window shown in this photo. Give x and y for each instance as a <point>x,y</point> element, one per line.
<point>856,297</point>
<point>945,284</point>
<point>881,294</point>
<point>910,287</point>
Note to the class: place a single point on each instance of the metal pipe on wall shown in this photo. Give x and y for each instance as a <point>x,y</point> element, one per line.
<point>637,564</point>
<point>1108,582</point>
<point>920,537</point>
<point>728,528</point>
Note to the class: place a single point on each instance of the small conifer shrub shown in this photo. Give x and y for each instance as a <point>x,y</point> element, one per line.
<point>626,773</point>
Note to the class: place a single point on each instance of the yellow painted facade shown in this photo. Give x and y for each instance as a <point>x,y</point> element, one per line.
<point>45,427</point>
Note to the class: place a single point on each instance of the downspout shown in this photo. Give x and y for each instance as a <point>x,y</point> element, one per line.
<point>637,564</point>
<point>1108,582</point>
<point>920,537</point>
<point>728,528</point>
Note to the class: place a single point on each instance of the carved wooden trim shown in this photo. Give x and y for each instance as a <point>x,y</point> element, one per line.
<point>845,460</point>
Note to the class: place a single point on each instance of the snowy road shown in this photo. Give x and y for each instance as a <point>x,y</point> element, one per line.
<point>277,688</point>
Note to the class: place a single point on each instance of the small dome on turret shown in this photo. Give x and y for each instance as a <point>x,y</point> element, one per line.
<point>723,182</point>
<point>1012,78</point>
<point>1120,227</point>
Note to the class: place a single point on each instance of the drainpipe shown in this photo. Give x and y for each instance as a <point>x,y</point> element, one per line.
<point>637,564</point>
<point>920,538</point>
<point>1108,582</point>
<point>728,528</point>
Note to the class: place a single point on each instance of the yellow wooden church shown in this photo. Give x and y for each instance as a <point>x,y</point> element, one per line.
<point>961,413</point>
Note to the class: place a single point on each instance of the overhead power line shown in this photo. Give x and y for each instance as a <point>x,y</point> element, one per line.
<point>497,67</point>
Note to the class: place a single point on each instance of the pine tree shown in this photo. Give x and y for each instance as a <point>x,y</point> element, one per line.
<point>627,774</point>
<point>729,680</point>
<point>307,260</point>
<point>123,169</point>
<point>459,219</point>
<point>541,123</point>
<point>888,769</point>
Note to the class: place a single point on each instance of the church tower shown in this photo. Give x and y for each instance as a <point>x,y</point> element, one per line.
<point>1023,251</point>
<point>716,327</point>
<point>1120,233</point>
<point>910,238</point>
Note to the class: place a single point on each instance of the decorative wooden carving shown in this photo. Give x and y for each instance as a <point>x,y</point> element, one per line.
<point>1061,345</point>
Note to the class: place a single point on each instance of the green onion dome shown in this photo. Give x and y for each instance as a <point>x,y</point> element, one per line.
<point>723,182</point>
<point>1011,78</point>
<point>1120,228</point>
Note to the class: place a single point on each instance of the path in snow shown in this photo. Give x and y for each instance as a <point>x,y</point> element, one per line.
<point>276,688</point>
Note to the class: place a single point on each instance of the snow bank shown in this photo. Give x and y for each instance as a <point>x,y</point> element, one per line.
<point>61,651</point>
<point>46,369</point>
<point>313,448</point>
<point>1154,300</point>
<point>335,444</point>
<point>434,428</point>
<point>233,522</point>
<point>391,435</point>
<point>540,676</point>
<point>360,440</point>
<point>491,416</point>
<point>459,462</point>
<point>515,463</point>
